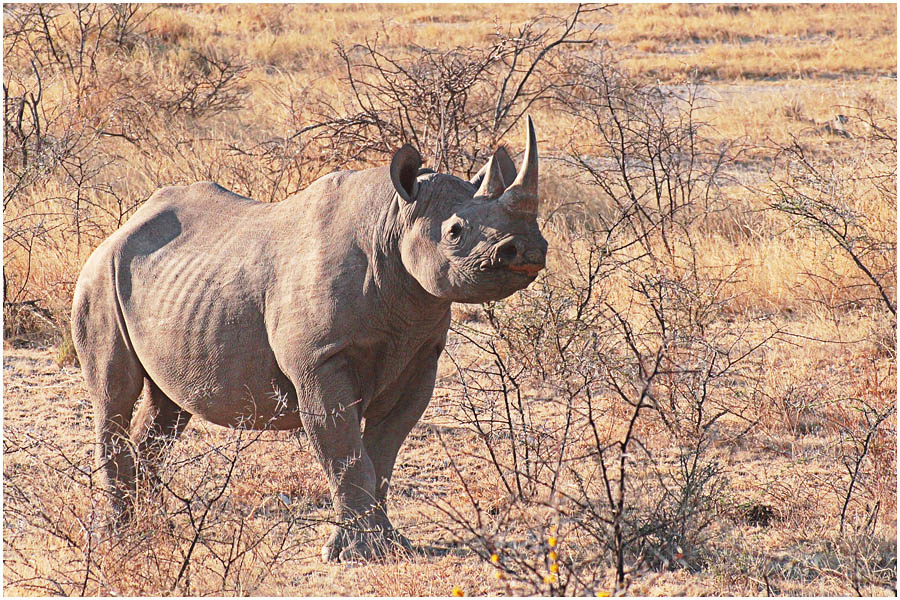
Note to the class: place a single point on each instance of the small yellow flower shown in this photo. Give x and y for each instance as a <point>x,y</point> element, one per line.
<point>457,591</point>
<point>549,578</point>
<point>551,541</point>
<point>603,594</point>
<point>499,574</point>
<point>552,555</point>
<point>495,558</point>
<point>554,568</point>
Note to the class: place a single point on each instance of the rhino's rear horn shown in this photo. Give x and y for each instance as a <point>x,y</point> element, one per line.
<point>507,168</point>
<point>492,185</point>
<point>522,195</point>
<point>404,170</point>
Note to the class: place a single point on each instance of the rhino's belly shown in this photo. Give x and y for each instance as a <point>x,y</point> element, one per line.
<point>263,400</point>
<point>235,386</point>
<point>207,349</point>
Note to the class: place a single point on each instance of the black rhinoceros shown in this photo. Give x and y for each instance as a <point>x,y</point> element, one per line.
<point>326,311</point>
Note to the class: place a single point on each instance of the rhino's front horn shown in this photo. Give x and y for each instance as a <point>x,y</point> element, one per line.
<point>522,195</point>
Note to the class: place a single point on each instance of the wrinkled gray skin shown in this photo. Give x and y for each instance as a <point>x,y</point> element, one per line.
<point>326,311</point>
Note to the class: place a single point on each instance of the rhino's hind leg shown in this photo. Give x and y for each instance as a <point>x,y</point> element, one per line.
<point>157,422</point>
<point>115,386</point>
<point>113,377</point>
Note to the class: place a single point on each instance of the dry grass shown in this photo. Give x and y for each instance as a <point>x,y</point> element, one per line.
<point>760,42</point>
<point>786,464</point>
<point>770,75</point>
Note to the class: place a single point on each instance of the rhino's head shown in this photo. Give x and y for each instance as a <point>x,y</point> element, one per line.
<point>471,241</point>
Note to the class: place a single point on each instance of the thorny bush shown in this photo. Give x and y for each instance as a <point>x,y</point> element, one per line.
<point>625,340</point>
<point>454,105</point>
<point>851,202</point>
<point>197,531</point>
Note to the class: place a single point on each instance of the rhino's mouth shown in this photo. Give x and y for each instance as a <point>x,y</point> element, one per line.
<point>528,270</point>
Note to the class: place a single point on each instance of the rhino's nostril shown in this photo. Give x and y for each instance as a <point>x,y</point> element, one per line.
<point>536,256</point>
<point>507,253</point>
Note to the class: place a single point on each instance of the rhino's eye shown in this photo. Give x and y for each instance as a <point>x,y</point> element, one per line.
<point>454,232</point>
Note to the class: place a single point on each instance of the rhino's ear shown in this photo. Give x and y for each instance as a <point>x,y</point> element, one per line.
<point>404,169</point>
<point>504,163</point>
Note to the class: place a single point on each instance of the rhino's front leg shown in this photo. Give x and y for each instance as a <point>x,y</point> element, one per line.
<point>331,416</point>
<point>385,432</point>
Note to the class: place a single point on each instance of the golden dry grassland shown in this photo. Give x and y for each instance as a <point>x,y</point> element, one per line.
<point>802,486</point>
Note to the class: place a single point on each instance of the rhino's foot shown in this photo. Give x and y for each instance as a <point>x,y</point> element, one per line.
<point>119,515</point>
<point>354,545</point>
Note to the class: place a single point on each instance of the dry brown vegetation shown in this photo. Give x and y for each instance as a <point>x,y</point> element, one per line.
<point>698,396</point>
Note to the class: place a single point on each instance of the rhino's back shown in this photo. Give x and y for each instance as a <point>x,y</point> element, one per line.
<point>191,270</point>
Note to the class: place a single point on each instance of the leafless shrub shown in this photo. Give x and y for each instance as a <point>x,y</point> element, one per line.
<point>208,84</point>
<point>626,342</point>
<point>63,188</point>
<point>194,535</point>
<point>453,105</point>
<point>851,201</point>
<point>864,429</point>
